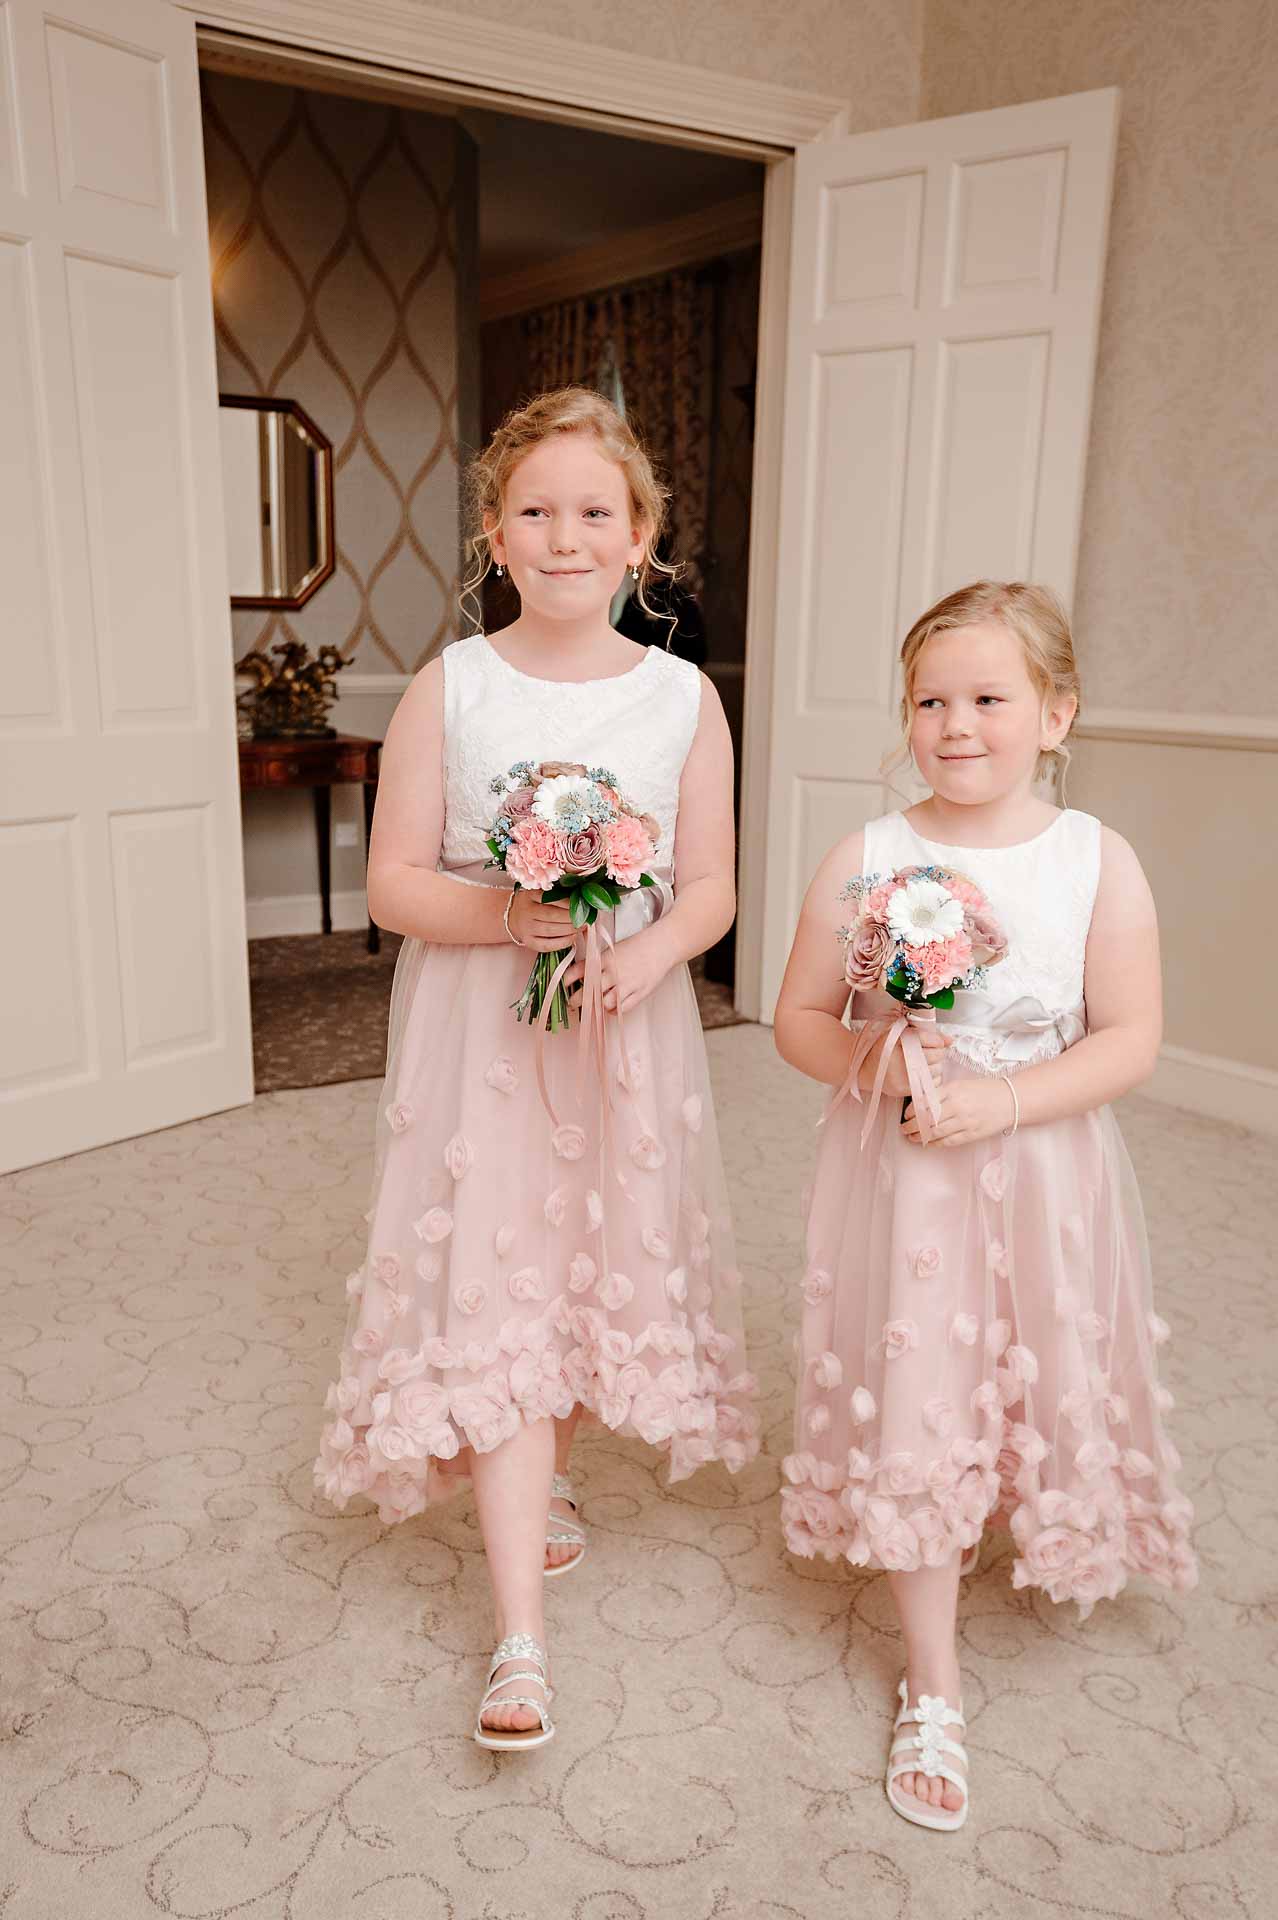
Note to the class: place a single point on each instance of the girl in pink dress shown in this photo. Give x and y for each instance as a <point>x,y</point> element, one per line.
<point>517,1271</point>
<point>978,1332</point>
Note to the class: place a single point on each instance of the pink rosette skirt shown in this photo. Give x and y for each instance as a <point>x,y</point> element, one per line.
<point>509,1274</point>
<point>979,1340</point>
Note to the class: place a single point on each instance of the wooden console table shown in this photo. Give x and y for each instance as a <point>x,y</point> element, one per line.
<point>320,765</point>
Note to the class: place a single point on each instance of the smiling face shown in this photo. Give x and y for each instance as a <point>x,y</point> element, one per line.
<point>977,720</point>
<point>568,532</point>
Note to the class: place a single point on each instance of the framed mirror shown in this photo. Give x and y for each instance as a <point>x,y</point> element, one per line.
<point>277,481</point>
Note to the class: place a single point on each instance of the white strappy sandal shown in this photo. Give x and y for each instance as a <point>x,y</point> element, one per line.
<point>564,1533</point>
<point>517,1646</point>
<point>924,1751</point>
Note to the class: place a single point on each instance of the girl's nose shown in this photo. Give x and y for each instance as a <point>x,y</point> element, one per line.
<point>563,539</point>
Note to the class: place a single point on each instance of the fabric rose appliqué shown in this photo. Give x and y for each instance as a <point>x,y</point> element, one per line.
<point>471,1297</point>
<point>899,1336</point>
<point>927,1262</point>
<point>400,1115</point>
<point>569,1142</point>
<point>648,1153</point>
<point>435,1225</point>
<point>502,1075</point>
<point>994,1179</point>
<point>459,1156</point>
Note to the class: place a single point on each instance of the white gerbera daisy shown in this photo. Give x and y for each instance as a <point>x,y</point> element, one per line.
<point>922,911</point>
<point>561,801</point>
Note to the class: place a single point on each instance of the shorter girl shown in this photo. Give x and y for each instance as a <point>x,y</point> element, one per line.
<point>978,1335</point>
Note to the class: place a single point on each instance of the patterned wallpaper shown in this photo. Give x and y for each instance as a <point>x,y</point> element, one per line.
<point>1175,598</point>
<point>868,53</point>
<point>333,228</point>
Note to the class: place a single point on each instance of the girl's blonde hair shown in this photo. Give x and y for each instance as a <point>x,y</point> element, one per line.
<point>1034,616</point>
<point>563,410</point>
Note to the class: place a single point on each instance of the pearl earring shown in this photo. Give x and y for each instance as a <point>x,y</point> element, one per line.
<point>501,571</point>
<point>634,573</point>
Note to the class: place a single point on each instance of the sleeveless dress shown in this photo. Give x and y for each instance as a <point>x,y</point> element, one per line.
<point>978,1334</point>
<point>512,1271</point>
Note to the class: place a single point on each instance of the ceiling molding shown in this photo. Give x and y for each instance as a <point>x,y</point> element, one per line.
<point>523,70</point>
<point>727,227</point>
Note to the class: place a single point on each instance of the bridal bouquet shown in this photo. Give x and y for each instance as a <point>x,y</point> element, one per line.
<point>918,934</point>
<point>565,829</point>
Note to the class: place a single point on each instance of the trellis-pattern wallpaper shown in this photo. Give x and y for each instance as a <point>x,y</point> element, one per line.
<point>333,230</point>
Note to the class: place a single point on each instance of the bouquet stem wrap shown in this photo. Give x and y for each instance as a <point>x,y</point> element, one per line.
<point>902,1032</point>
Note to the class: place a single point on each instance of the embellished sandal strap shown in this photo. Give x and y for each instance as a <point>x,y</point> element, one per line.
<point>516,1700</point>
<point>561,1489</point>
<point>518,1646</point>
<point>565,1533</point>
<point>917,1743</point>
<point>956,1780</point>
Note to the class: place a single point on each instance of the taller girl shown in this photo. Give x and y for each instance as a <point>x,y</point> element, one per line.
<point>515,1274</point>
<point>979,1334</point>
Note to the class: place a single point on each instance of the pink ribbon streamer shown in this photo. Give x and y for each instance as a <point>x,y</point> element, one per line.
<point>592,1037</point>
<point>899,1032</point>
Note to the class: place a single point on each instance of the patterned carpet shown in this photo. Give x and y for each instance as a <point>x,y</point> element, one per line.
<point>220,1698</point>
<point>320,1003</point>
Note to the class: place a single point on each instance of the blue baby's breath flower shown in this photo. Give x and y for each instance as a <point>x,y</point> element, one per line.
<point>602,775</point>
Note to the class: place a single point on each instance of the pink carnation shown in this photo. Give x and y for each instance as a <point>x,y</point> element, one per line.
<point>628,848</point>
<point>535,858</point>
<point>945,961</point>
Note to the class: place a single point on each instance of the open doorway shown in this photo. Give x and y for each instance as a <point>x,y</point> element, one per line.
<point>404,273</point>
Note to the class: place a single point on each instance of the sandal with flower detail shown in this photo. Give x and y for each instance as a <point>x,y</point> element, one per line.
<point>517,1646</point>
<point>924,1751</point>
<point>564,1533</point>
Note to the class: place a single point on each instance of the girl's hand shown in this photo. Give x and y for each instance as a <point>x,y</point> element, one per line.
<point>974,1108</point>
<point>540,928</point>
<point>630,970</point>
<point>897,1083</point>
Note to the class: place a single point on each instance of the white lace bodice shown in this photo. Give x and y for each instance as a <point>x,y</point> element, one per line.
<point>1042,891</point>
<point>638,724</point>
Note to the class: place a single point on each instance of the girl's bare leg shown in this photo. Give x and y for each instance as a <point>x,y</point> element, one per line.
<point>927,1608</point>
<point>512,1492</point>
<point>564,1431</point>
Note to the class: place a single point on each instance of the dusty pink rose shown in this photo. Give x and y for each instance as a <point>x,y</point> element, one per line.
<point>534,857</point>
<point>471,1297</point>
<point>584,851</point>
<point>828,1370</point>
<point>861,1406</point>
<point>459,1156</point>
<point>867,955</point>
<point>582,1272</point>
<point>628,850</point>
<point>557,769</point>
<point>817,1286</point>
<point>899,1336</point>
<point>963,1328</point>
<point>987,938</point>
<point>435,1224</point>
<point>648,1153</point>
<point>502,1075</point>
<point>400,1115</point>
<point>994,1179</point>
<point>615,1290</point>
<point>556,1206</point>
<point>517,805</point>
<point>927,1262</point>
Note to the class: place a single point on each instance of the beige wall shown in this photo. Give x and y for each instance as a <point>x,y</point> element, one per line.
<point>1174,602</point>
<point>866,52</point>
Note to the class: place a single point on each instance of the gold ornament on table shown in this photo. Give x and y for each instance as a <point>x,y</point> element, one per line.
<point>291,692</point>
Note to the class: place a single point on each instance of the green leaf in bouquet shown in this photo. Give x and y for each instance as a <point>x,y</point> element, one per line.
<point>558,892</point>
<point>581,912</point>
<point>898,984</point>
<point>598,894</point>
<point>646,880</point>
<point>494,847</point>
<point>943,999</point>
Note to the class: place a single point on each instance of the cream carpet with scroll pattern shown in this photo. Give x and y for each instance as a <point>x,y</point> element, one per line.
<point>219,1698</point>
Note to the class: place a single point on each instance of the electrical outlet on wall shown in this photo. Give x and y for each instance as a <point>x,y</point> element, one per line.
<point>347,834</point>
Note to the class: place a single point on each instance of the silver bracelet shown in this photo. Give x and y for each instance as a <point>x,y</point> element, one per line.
<point>505,918</point>
<point>1006,1078</point>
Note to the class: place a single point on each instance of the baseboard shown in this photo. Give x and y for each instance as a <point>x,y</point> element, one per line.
<point>1222,1089</point>
<point>273,914</point>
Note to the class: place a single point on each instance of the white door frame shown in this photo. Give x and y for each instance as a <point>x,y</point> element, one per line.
<point>455,56</point>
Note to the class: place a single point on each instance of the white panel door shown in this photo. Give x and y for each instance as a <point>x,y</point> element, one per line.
<point>123,977</point>
<point>945,291</point>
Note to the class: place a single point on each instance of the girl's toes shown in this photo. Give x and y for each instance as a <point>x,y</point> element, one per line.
<point>934,1792</point>
<point>951,1799</point>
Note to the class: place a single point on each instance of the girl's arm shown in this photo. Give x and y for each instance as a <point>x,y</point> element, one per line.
<point>704,861</point>
<point>808,1026</point>
<point>1124,1019</point>
<point>405,892</point>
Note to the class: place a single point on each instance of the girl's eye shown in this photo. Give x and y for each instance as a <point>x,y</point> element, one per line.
<point>993,698</point>
<point>528,510</point>
<point>931,701</point>
<point>601,511</point>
